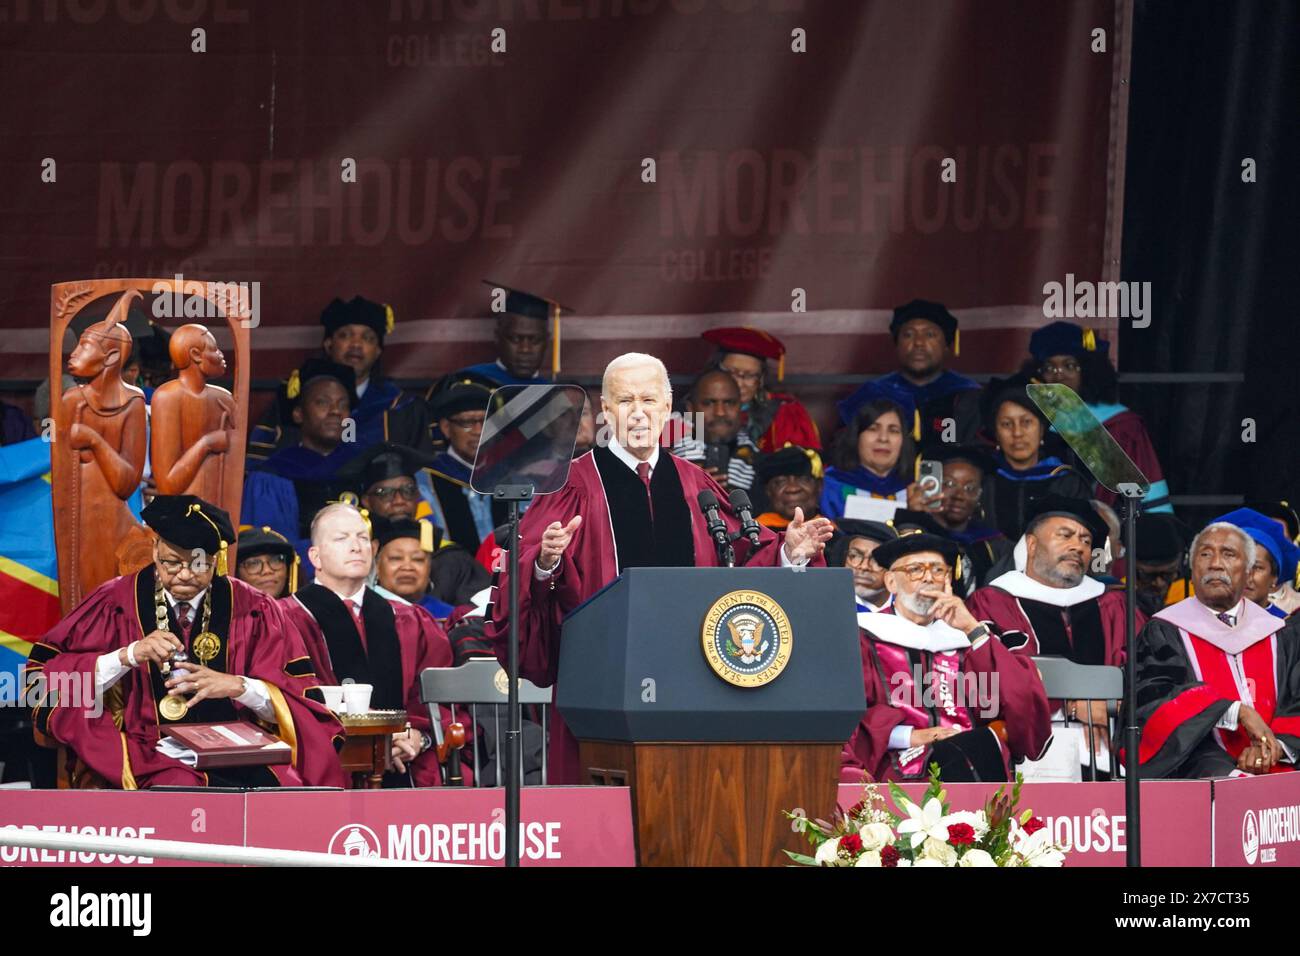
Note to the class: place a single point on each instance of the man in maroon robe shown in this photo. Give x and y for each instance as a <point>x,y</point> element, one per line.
<point>628,503</point>
<point>350,631</point>
<point>243,664</point>
<point>1218,677</point>
<point>941,688</point>
<point>1049,606</point>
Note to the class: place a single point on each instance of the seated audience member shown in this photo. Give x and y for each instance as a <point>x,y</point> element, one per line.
<point>964,470</point>
<point>771,419</point>
<point>788,479</point>
<point>1218,677</point>
<point>1275,556</point>
<point>723,450</point>
<point>267,561</point>
<point>875,457</point>
<point>414,563</point>
<point>244,664</point>
<point>1025,471</point>
<point>925,337</point>
<point>522,339</point>
<point>285,491</point>
<point>468,517</point>
<point>1286,597</point>
<point>1071,355</point>
<point>1161,560</point>
<point>587,429</point>
<point>354,336</point>
<point>852,547</point>
<point>351,632</point>
<point>1049,606</point>
<point>992,710</point>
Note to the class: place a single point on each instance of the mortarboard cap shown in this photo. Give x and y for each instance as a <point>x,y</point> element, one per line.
<point>534,307</point>
<point>382,462</point>
<point>190,523</point>
<point>1269,535</point>
<point>915,542</point>
<point>930,311</point>
<point>883,389</point>
<point>358,311</point>
<point>1080,509</point>
<point>1066,338</point>
<point>458,395</point>
<point>254,542</point>
<point>1160,537</point>
<point>790,460</point>
<point>422,530</point>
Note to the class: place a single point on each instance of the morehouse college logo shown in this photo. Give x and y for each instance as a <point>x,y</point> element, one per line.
<point>354,839</point>
<point>1250,837</point>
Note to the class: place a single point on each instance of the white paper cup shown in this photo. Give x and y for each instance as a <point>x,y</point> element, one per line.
<point>356,698</point>
<point>334,698</point>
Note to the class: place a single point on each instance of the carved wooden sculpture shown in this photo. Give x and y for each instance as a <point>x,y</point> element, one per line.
<point>98,456</point>
<point>192,425</point>
<point>197,430</point>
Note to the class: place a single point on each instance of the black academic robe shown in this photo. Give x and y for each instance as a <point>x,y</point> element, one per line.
<point>1190,669</point>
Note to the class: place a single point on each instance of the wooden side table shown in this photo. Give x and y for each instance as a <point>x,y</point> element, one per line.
<point>369,741</point>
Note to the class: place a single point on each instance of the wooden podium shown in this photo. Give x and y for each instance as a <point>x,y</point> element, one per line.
<point>712,763</point>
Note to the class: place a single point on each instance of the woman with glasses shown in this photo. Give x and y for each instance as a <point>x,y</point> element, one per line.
<point>267,561</point>
<point>874,456</point>
<point>1069,354</point>
<point>772,419</point>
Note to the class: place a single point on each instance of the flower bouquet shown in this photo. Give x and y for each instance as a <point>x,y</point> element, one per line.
<point>928,833</point>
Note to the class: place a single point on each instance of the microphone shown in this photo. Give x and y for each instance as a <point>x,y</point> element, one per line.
<point>708,503</point>
<point>744,509</point>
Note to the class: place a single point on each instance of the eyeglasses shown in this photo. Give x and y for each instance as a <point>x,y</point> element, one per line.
<point>970,487</point>
<point>262,562</point>
<point>918,572</point>
<point>743,376</point>
<point>858,557</point>
<point>407,491</point>
<point>1065,368</point>
<point>467,424</point>
<point>175,568</point>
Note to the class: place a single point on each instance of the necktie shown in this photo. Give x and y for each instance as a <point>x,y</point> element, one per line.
<point>183,613</point>
<point>355,608</point>
<point>643,472</point>
<point>1228,619</point>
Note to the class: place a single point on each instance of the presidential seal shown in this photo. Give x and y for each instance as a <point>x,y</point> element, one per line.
<point>747,638</point>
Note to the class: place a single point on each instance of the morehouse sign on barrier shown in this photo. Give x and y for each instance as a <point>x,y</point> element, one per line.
<point>1087,819</point>
<point>1257,821</point>
<point>194,817</point>
<point>559,826</point>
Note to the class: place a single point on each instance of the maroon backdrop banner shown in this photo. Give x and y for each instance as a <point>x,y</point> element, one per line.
<point>658,166</point>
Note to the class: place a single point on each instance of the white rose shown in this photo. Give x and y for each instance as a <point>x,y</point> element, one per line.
<point>827,853</point>
<point>923,862</point>
<point>974,818</point>
<point>876,836</point>
<point>976,857</point>
<point>869,858</point>
<point>942,853</point>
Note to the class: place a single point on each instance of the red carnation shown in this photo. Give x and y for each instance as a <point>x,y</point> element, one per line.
<point>851,843</point>
<point>889,856</point>
<point>961,834</point>
<point>1033,825</point>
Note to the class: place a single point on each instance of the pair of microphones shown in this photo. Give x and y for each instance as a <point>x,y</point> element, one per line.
<point>722,539</point>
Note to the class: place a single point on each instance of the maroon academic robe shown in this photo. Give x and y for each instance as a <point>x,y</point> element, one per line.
<point>1084,624</point>
<point>589,563</point>
<point>421,643</point>
<point>965,688</point>
<point>254,642</point>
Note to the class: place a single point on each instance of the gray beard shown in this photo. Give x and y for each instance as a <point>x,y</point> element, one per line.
<point>920,606</point>
<point>1051,573</point>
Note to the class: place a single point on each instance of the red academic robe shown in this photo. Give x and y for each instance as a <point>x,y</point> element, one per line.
<point>791,425</point>
<point>421,643</point>
<point>1191,667</point>
<point>996,685</point>
<point>1089,631</point>
<point>589,563</point>
<point>254,642</point>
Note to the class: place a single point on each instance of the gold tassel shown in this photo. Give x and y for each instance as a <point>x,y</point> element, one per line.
<point>389,321</point>
<point>221,563</point>
<point>956,570</point>
<point>293,386</point>
<point>780,368</point>
<point>555,340</point>
<point>916,424</point>
<point>293,573</point>
<point>816,461</point>
<point>1089,340</point>
<point>956,342</point>
<point>426,537</point>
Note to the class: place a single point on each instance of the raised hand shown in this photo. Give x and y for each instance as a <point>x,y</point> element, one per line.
<point>805,539</point>
<point>555,539</point>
